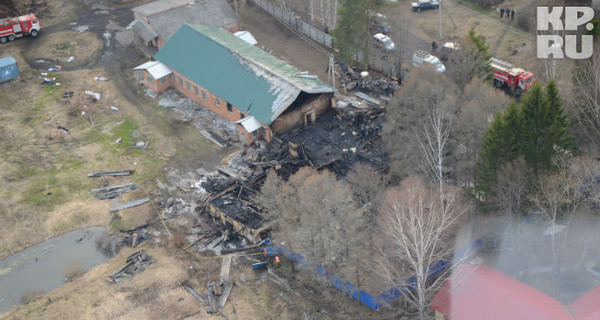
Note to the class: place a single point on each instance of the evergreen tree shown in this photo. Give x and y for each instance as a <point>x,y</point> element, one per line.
<point>559,131</point>
<point>546,127</point>
<point>351,34</point>
<point>536,129</point>
<point>483,57</point>
<point>500,145</point>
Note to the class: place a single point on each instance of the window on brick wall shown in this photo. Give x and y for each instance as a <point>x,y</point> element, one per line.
<point>229,107</point>
<point>203,94</point>
<point>149,78</point>
<point>187,84</point>
<point>180,81</point>
<point>217,102</point>
<point>195,90</point>
<point>163,80</point>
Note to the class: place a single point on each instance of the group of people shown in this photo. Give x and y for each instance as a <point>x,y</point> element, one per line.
<point>509,13</point>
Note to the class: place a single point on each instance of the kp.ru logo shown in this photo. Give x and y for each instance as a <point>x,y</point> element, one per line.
<point>553,44</point>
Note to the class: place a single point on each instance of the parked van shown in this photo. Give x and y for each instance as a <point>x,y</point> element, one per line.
<point>421,56</point>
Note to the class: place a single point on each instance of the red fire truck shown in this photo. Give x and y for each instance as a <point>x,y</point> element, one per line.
<point>12,28</point>
<point>506,75</point>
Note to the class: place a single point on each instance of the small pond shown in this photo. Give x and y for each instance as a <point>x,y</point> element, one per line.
<point>48,265</point>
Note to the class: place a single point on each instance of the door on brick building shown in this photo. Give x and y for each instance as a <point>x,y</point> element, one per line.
<point>309,117</point>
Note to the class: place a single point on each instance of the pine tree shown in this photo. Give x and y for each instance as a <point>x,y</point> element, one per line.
<point>500,145</point>
<point>545,125</point>
<point>536,129</point>
<point>351,34</point>
<point>559,130</point>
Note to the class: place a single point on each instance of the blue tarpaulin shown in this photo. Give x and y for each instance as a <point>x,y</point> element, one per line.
<point>385,297</point>
<point>8,69</point>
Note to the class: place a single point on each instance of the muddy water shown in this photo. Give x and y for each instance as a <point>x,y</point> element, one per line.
<point>46,266</point>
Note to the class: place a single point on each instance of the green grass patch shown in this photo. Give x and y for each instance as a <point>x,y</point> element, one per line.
<point>53,187</point>
<point>123,131</point>
<point>63,45</point>
<point>116,223</point>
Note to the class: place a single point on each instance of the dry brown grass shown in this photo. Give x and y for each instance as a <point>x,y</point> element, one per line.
<point>457,20</point>
<point>59,46</point>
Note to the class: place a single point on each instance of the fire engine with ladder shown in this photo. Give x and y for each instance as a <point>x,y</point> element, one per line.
<point>12,28</point>
<point>511,77</point>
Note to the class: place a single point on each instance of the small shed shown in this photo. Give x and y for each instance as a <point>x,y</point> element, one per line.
<point>8,69</point>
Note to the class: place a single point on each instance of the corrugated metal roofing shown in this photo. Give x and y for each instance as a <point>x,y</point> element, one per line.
<point>7,61</point>
<point>246,36</point>
<point>245,76</point>
<point>142,29</point>
<point>250,124</point>
<point>205,12</point>
<point>155,68</point>
<point>159,6</point>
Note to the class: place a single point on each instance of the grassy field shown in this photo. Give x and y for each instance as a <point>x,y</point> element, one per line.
<point>44,171</point>
<point>59,46</point>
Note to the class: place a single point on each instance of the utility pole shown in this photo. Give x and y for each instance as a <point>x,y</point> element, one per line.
<point>440,13</point>
<point>331,73</point>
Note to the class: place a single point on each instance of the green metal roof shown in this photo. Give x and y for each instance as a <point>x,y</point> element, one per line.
<point>247,77</point>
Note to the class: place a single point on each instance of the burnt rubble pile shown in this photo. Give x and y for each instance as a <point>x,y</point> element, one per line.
<point>347,134</point>
<point>352,80</point>
<point>240,210</point>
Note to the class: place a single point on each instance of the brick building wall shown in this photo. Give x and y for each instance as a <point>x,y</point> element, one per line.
<point>158,85</point>
<point>304,113</point>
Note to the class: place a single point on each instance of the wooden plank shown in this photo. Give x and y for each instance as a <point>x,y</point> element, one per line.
<point>212,299</point>
<point>223,297</point>
<point>195,294</point>
<point>208,135</point>
<point>111,173</point>
<point>225,267</point>
<point>130,204</point>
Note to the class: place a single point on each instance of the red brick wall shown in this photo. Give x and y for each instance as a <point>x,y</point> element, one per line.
<point>156,85</point>
<point>210,101</point>
<point>295,117</point>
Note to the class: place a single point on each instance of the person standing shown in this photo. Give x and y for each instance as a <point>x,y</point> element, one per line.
<point>507,13</point>
<point>512,15</point>
<point>434,46</point>
<point>501,13</point>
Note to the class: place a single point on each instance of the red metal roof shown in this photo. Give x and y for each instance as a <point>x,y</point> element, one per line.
<point>587,307</point>
<point>481,292</point>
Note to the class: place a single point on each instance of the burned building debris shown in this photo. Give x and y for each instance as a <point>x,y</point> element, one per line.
<point>353,80</point>
<point>135,263</point>
<point>348,134</point>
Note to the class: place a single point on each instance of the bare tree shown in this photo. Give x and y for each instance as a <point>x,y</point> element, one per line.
<point>561,194</point>
<point>316,214</point>
<point>367,184</point>
<point>416,226</point>
<point>419,121</point>
<point>586,99</point>
<point>510,192</point>
<point>479,102</point>
<point>467,63</point>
